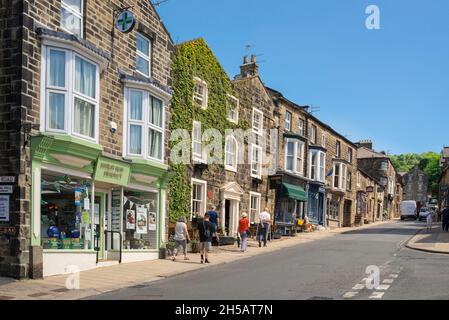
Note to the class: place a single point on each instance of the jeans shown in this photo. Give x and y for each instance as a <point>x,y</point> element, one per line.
<point>445,226</point>
<point>263,234</point>
<point>244,237</point>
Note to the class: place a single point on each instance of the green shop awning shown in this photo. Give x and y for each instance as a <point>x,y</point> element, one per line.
<point>293,192</point>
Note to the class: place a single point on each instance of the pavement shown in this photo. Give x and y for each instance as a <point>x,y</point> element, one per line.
<point>435,241</point>
<point>140,274</point>
<point>370,263</point>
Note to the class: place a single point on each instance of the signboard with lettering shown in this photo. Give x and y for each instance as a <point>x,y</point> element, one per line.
<point>6,189</point>
<point>7,179</point>
<point>370,189</point>
<point>4,208</point>
<point>112,171</point>
<point>116,213</point>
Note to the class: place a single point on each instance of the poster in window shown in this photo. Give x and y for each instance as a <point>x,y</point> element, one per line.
<point>78,196</point>
<point>152,221</point>
<point>4,208</point>
<point>142,220</point>
<point>130,220</point>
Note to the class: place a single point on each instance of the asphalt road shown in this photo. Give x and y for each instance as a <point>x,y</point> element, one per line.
<point>331,268</point>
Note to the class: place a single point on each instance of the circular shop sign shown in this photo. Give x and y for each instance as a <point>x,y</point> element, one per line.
<point>125,21</point>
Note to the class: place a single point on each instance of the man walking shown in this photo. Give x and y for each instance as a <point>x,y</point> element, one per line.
<point>213,217</point>
<point>264,227</point>
<point>445,215</point>
<point>206,231</point>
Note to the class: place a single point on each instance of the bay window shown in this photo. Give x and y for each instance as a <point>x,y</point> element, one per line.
<point>256,161</point>
<point>145,125</point>
<point>340,178</point>
<point>294,156</point>
<point>317,166</point>
<point>72,16</point>
<point>72,99</point>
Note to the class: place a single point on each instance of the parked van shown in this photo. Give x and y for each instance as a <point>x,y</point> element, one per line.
<point>408,210</point>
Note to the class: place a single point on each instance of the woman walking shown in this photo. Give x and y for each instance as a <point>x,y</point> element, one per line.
<point>181,238</point>
<point>243,230</point>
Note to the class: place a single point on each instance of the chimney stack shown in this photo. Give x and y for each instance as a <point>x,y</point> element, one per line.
<point>366,144</point>
<point>249,69</point>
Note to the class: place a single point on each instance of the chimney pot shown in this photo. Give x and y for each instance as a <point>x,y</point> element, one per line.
<point>253,58</point>
<point>245,60</point>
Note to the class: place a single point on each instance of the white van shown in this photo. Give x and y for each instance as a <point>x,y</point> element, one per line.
<point>408,210</point>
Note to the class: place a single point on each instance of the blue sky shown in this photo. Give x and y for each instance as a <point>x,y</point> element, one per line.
<point>389,85</point>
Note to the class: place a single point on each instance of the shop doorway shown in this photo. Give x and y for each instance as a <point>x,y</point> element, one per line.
<point>99,225</point>
<point>230,217</point>
<point>347,209</point>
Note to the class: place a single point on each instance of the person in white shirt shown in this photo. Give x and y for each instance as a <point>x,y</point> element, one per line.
<point>264,227</point>
<point>429,220</point>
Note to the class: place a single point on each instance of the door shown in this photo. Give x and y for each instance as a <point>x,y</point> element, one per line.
<point>321,208</point>
<point>227,216</point>
<point>347,213</point>
<point>99,219</point>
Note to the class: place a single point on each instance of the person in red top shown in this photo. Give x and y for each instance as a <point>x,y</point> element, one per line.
<point>243,230</point>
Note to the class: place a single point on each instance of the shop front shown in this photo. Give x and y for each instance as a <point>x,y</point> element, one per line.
<point>317,204</point>
<point>88,210</point>
<point>290,204</point>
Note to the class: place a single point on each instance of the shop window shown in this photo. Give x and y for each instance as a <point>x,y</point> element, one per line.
<point>140,220</point>
<point>71,99</point>
<point>66,213</point>
<point>198,198</point>
<point>143,55</point>
<point>231,154</point>
<point>72,16</point>
<point>200,93</point>
<point>145,125</point>
<point>233,107</point>
<point>254,208</point>
<point>288,210</point>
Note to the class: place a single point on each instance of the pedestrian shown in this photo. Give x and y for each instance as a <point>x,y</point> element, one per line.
<point>429,220</point>
<point>445,215</point>
<point>213,217</point>
<point>244,230</point>
<point>181,238</point>
<point>264,227</point>
<point>206,232</point>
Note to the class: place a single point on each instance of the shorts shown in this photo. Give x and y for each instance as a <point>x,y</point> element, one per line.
<point>205,246</point>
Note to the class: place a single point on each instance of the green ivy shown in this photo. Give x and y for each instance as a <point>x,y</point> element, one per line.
<point>195,59</point>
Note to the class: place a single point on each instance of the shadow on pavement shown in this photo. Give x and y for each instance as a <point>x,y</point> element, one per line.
<point>398,231</point>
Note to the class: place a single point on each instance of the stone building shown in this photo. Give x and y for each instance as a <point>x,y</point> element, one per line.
<point>370,198</point>
<point>84,108</point>
<point>416,185</point>
<point>290,177</point>
<point>204,99</point>
<point>379,166</point>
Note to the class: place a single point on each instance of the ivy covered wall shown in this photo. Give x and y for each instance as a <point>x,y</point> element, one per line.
<point>195,59</point>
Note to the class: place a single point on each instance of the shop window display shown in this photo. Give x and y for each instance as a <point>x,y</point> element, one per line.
<point>140,220</point>
<point>65,213</point>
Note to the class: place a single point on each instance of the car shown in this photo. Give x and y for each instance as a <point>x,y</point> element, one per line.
<point>423,213</point>
<point>408,210</point>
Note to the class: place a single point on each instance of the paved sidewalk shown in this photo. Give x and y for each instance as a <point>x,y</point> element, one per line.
<point>105,279</point>
<point>436,241</point>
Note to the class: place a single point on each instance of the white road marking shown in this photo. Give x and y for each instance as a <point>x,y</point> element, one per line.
<point>388,281</point>
<point>394,276</point>
<point>349,295</point>
<point>383,287</point>
<point>377,295</point>
<point>358,287</point>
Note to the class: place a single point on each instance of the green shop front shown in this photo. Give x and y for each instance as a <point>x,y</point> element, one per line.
<point>90,210</point>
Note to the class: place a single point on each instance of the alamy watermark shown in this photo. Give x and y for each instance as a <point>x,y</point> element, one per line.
<point>372,22</point>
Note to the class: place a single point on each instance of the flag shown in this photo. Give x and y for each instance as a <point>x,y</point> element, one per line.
<point>330,173</point>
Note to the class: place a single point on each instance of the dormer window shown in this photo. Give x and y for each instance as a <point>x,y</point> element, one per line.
<point>200,93</point>
<point>72,16</point>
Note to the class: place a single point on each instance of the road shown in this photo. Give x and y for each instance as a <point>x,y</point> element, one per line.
<point>331,268</point>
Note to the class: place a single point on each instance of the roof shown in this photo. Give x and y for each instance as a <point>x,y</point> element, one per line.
<point>365,153</point>
<point>366,174</point>
<point>445,152</point>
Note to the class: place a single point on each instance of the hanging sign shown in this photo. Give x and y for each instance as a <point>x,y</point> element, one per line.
<point>6,189</point>
<point>4,208</point>
<point>125,21</point>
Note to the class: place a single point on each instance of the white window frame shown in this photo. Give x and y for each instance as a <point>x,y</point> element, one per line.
<point>69,92</point>
<point>259,173</point>
<point>298,153</point>
<point>257,130</point>
<point>313,133</point>
<point>75,13</point>
<point>195,156</point>
<point>232,168</point>
<point>350,154</point>
<point>323,140</point>
<point>205,98</point>
<point>259,197</point>
<point>236,109</point>
<point>203,193</point>
<point>144,123</point>
<point>302,126</point>
<point>288,121</point>
<point>320,166</point>
<point>342,178</point>
<point>144,56</point>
